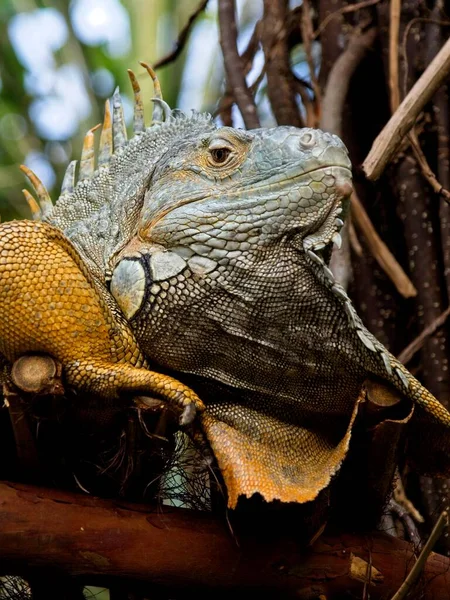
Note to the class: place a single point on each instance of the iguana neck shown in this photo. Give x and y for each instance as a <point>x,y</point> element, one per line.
<point>258,323</point>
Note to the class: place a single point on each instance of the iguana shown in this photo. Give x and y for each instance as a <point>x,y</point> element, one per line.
<point>204,250</point>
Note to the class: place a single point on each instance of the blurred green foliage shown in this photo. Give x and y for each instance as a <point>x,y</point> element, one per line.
<point>154,27</point>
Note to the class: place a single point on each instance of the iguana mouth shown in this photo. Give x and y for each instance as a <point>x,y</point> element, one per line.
<point>343,189</point>
<point>329,229</point>
<point>275,179</point>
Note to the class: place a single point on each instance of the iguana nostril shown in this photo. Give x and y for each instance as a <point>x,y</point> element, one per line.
<point>307,140</point>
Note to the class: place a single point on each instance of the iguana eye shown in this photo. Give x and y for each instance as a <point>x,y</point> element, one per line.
<point>219,155</point>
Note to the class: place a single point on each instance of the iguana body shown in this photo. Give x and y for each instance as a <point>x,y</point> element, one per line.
<point>213,243</point>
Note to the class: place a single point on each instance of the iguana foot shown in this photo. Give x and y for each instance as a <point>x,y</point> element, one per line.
<point>110,380</point>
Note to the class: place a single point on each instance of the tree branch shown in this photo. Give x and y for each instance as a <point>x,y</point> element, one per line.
<point>182,38</point>
<point>339,79</point>
<point>280,80</point>
<point>391,136</point>
<point>234,66</point>
<point>176,549</point>
<point>406,355</point>
<point>394,28</point>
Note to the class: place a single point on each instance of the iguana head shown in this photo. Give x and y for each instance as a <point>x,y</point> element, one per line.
<point>228,188</point>
<point>184,183</point>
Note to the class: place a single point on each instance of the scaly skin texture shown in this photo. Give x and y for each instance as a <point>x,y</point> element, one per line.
<point>51,304</point>
<point>214,243</point>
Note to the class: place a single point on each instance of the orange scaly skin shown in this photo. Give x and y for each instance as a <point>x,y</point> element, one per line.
<point>50,303</point>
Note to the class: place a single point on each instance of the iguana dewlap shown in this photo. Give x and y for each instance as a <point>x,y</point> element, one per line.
<point>212,242</point>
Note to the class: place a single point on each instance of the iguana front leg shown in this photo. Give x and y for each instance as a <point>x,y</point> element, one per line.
<point>50,303</point>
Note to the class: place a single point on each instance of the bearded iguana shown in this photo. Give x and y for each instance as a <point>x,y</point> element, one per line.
<point>204,250</point>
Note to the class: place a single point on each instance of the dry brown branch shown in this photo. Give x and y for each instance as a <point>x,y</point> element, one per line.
<point>339,79</point>
<point>418,567</point>
<point>394,28</point>
<point>234,66</point>
<point>178,550</point>
<point>342,11</point>
<point>406,355</point>
<point>380,251</point>
<point>182,38</point>
<point>388,141</point>
<point>280,80</point>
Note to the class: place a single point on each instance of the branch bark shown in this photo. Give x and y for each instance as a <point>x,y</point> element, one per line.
<point>339,79</point>
<point>280,80</point>
<point>234,66</point>
<point>390,138</point>
<point>175,549</point>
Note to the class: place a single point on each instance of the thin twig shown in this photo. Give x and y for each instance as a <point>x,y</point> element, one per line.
<point>388,141</point>
<point>406,355</point>
<point>425,167</point>
<point>401,498</point>
<point>404,53</point>
<point>415,572</point>
<point>234,67</point>
<point>394,28</point>
<point>406,521</point>
<point>303,82</point>
<point>353,238</point>
<point>380,251</point>
<point>182,38</point>
<point>228,100</point>
<point>308,103</point>
<point>306,27</point>
<point>339,79</point>
<point>341,11</point>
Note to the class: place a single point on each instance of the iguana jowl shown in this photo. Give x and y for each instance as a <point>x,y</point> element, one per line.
<point>204,250</point>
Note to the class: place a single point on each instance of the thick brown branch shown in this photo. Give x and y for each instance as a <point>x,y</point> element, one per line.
<point>388,141</point>
<point>234,66</point>
<point>227,100</point>
<point>176,549</point>
<point>182,38</point>
<point>280,80</point>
